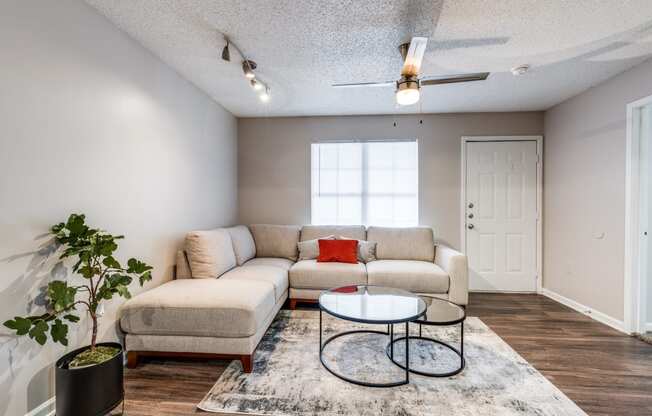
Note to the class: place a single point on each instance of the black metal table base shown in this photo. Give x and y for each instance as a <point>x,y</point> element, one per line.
<point>458,352</point>
<point>390,333</point>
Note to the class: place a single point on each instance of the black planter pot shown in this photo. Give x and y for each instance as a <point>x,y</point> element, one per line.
<point>89,391</point>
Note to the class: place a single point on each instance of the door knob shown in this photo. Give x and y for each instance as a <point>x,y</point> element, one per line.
<point>471,215</point>
<point>471,226</point>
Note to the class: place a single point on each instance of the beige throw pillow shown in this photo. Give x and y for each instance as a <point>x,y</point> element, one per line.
<point>210,253</point>
<point>309,250</point>
<point>366,249</point>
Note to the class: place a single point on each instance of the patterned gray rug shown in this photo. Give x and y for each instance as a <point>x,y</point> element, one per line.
<point>288,378</point>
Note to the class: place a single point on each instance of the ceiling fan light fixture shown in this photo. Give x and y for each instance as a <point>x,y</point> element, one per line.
<point>407,91</point>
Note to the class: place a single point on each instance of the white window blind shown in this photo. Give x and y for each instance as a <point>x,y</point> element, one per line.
<point>369,183</point>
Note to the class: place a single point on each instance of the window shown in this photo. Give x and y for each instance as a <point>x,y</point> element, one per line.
<point>369,183</point>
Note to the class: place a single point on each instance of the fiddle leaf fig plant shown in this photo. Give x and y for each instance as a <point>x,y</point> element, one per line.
<point>93,251</point>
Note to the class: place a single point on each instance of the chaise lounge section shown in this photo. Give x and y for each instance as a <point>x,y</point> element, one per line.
<point>231,283</point>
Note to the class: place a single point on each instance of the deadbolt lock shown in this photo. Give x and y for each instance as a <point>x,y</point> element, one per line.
<point>470,204</point>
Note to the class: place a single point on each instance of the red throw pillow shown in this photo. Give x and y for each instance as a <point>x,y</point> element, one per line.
<point>342,251</point>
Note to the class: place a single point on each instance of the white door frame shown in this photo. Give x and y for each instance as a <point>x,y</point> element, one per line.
<point>539,237</point>
<point>634,321</point>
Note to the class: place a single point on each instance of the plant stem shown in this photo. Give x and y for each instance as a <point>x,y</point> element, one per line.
<point>94,336</point>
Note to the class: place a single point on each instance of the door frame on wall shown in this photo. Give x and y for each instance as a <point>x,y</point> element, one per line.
<point>635,288</point>
<point>539,238</point>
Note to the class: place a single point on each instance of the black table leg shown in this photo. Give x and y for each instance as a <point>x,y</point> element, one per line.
<point>407,352</point>
<point>391,341</point>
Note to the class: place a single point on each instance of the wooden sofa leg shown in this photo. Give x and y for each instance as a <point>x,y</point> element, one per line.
<point>293,304</point>
<point>247,362</point>
<point>132,359</point>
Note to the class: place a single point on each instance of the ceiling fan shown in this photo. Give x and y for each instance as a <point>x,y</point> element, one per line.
<point>408,86</point>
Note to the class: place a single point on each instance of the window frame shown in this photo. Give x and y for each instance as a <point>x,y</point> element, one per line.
<point>364,194</point>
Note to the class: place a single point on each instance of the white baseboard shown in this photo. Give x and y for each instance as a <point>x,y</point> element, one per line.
<point>585,310</point>
<point>44,409</point>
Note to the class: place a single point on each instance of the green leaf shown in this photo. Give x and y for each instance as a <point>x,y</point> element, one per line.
<point>38,331</point>
<point>61,295</point>
<point>87,271</point>
<point>19,324</point>
<point>145,277</point>
<point>59,332</point>
<point>111,262</point>
<point>123,291</point>
<point>71,318</point>
<point>137,266</point>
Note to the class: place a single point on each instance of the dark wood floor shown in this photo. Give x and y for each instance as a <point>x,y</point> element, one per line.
<point>602,370</point>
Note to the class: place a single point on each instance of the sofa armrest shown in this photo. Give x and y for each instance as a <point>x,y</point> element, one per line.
<point>183,266</point>
<point>456,265</point>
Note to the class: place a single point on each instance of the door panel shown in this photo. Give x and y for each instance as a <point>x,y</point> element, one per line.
<point>501,215</point>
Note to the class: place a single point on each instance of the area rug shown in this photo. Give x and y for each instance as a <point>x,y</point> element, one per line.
<point>288,378</point>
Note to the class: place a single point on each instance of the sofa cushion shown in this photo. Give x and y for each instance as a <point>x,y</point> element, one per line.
<point>413,243</point>
<point>210,253</point>
<point>412,275</point>
<point>309,274</point>
<point>366,249</point>
<point>243,243</point>
<point>276,240</point>
<point>309,249</point>
<point>315,232</point>
<point>343,251</point>
<point>284,264</point>
<point>277,276</point>
<point>229,308</point>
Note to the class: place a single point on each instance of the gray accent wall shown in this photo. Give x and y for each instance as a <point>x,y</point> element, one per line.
<point>274,160</point>
<point>92,122</point>
<point>584,192</point>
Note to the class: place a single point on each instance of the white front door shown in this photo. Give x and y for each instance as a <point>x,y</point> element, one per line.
<point>501,215</point>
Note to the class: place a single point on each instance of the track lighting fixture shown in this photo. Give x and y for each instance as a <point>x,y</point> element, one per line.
<point>248,67</point>
<point>226,54</point>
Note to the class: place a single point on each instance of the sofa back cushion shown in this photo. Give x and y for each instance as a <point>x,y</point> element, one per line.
<point>243,243</point>
<point>276,240</point>
<point>210,253</point>
<point>314,232</point>
<point>414,243</point>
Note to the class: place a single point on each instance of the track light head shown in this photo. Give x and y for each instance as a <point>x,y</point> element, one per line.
<point>226,54</point>
<point>248,69</point>
<point>265,96</point>
<point>256,85</point>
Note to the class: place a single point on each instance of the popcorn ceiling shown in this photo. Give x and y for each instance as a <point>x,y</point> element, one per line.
<point>302,46</point>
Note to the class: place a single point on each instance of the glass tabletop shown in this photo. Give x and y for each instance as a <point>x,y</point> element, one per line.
<point>372,304</point>
<point>441,312</point>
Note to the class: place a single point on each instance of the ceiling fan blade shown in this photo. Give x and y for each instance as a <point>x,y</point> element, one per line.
<point>450,79</point>
<point>365,84</point>
<point>414,56</point>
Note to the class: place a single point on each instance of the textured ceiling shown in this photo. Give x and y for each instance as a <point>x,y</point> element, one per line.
<point>302,46</point>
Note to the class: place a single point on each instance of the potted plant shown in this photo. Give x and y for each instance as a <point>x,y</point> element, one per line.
<point>89,379</point>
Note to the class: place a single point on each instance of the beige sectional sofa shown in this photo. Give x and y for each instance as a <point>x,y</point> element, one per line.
<point>231,282</point>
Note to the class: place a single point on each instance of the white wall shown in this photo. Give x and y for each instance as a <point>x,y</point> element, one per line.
<point>584,192</point>
<point>91,122</point>
<point>274,158</point>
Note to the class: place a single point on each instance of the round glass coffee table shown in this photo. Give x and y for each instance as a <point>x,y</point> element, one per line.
<point>370,305</point>
<point>440,313</point>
